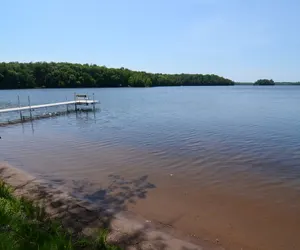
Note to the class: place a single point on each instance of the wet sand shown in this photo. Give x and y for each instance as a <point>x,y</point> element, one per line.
<point>235,222</point>
<point>239,216</point>
<point>126,230</point>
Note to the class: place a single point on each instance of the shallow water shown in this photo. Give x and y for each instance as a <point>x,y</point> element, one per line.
<point>215,162</point>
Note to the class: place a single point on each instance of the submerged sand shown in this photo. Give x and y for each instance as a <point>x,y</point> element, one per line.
<point>126,229</point>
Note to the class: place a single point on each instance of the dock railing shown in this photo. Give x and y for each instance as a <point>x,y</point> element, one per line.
<point>79,99</point>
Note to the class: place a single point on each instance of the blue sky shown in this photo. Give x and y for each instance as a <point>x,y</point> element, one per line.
<point>240,39</point>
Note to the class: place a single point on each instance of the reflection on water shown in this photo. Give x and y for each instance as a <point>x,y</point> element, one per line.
<point>218,156</point>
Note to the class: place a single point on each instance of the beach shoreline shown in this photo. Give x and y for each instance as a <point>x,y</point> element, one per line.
<point>126,229</point>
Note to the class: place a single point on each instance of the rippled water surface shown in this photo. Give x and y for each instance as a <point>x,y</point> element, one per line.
<point>219,162</point>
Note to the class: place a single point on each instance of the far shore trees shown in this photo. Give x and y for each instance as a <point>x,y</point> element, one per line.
<point>264,82</point>
<point>15,75</point>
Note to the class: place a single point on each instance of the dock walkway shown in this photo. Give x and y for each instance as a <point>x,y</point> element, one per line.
<point>76,102</point>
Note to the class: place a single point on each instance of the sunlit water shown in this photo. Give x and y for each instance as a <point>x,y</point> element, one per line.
<point>222,161</point>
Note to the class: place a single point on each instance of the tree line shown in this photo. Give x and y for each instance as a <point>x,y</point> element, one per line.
<point>264,82</point>
<point>15,75</point>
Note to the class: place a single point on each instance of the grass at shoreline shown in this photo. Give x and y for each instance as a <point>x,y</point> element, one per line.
<point>24,225</point>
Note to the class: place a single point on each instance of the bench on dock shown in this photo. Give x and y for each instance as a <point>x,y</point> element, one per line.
<point>81,97</point>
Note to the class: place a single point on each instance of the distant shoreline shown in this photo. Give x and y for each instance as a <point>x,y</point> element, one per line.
<point>276,84</point>
<point>15,75</point>
<point>236,84</point>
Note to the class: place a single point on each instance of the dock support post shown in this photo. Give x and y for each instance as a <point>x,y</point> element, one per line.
<point>75,102</point>
<point>19,104</point>
<point>94,102</point>
<point>29,107</point>
<point>67,105</point>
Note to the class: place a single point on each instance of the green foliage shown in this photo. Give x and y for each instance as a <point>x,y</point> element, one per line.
<point>264,82</point>
<point>16,75</point>
<point>25,226</point>
<point>5,191</point>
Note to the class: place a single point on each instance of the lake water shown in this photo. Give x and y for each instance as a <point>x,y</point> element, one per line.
<point>219,163</point>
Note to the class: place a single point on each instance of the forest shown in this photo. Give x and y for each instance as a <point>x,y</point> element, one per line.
<point>15,75</point>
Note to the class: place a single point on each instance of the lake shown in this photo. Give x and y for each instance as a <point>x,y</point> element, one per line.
<point>218,163</point>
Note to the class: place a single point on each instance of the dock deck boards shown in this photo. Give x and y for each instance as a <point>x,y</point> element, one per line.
<point>77,102</point>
